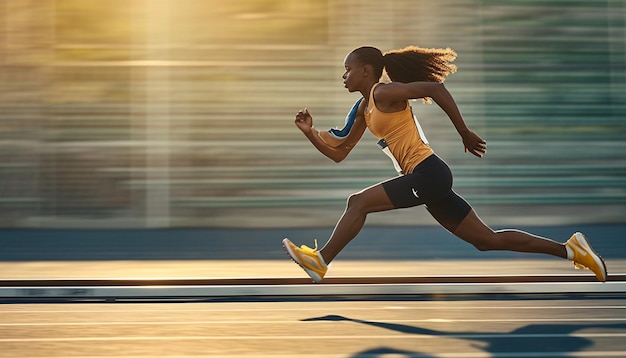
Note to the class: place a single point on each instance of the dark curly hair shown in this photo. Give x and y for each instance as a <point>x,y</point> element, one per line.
<point>410,64</point>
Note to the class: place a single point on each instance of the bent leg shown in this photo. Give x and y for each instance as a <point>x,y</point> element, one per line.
<point>369,200</point>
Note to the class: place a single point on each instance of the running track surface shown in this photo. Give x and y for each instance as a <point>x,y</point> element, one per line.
<point>501,325</point>
<point>480,326</point>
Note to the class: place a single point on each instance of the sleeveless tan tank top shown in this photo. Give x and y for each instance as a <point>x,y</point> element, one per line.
<point>402,133</point>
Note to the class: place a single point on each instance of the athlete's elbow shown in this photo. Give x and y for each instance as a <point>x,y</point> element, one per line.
<point>338,155</point>
<point>440,92</point>
<point>337,158</point>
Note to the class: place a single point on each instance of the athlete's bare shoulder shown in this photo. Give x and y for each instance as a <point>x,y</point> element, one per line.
<point>390,97</point>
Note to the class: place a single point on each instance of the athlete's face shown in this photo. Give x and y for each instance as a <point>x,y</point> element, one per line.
<point>353,75</point>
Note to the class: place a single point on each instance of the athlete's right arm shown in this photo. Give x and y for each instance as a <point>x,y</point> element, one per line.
<point>339,152</point>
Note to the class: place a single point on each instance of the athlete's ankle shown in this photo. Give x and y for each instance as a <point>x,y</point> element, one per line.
<point>569,253</point>
<point>322,257</point>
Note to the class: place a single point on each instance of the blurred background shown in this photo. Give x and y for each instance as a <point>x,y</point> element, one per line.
<point>134,114</point>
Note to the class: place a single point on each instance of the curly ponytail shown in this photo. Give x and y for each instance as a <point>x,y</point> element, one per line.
<point>412,64</point>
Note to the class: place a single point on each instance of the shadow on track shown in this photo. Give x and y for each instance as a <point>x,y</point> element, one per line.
<point>533,338</point>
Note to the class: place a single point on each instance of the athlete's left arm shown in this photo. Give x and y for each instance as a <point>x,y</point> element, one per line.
<point>400,92</point>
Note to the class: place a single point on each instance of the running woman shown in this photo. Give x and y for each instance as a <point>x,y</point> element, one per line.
<point>425,179</point>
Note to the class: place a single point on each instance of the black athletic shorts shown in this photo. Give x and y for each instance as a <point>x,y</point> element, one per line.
<point>430,184</point>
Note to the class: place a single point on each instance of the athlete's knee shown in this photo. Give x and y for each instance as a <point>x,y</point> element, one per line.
<point>483,245</point>
<point>354,200</point>
<point>486,241</point>
<point>472,230</point>
<point>357,201</point>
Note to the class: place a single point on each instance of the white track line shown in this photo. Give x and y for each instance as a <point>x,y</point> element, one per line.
<point>177,292</point>
<point>237,322</point>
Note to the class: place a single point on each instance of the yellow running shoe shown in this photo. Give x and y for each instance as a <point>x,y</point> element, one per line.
<point>585,257</point>
<point>309,259</point>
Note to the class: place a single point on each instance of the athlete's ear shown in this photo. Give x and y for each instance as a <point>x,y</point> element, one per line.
<point>367,70</point>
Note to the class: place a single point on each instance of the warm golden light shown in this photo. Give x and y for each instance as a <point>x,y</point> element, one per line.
<point>180,113</point>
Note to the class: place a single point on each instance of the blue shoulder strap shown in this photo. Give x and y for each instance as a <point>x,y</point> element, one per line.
<point>350,118</point>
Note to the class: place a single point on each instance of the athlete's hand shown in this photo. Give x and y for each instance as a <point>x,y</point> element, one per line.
<point>304,121</point>
<point>474,143</point>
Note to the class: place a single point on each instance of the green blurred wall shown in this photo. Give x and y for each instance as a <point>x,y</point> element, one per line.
<point>162,113</point>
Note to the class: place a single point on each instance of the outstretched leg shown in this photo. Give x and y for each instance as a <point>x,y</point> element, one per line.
<point>469,227</point>
<point>473,230</point>
<point>458,217</point>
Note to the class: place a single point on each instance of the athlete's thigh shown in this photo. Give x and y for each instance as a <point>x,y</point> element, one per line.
<point>451,211</point>
<point>430,181</point>
<point>407,191</point>
<point>374,198</point>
